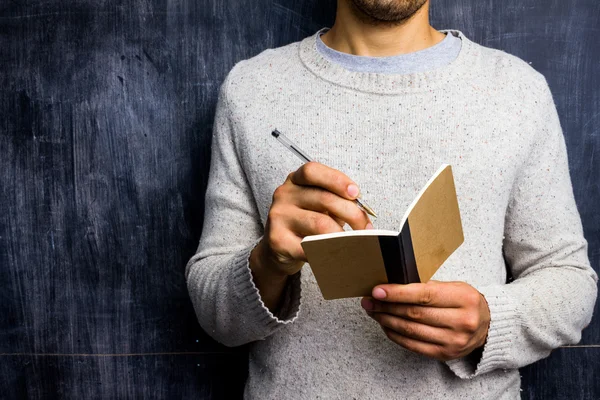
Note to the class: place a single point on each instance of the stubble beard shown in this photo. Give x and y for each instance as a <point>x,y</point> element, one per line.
<point>386,12</point>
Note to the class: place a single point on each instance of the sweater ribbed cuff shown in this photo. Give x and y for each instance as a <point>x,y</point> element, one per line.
<point>500,339</point>
<point>261,320</point>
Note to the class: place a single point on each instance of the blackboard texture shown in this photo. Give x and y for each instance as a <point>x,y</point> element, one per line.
<point>106,109</point>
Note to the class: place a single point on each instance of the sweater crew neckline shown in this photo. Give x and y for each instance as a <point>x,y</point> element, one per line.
<point>386,83</point>
<point>432,57</point>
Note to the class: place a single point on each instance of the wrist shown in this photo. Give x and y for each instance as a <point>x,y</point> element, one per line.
<point>262,264</point>
<point>269,281</point>
<point>485,311</point>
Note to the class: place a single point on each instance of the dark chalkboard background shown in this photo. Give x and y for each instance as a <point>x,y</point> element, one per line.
<point>106,110</point>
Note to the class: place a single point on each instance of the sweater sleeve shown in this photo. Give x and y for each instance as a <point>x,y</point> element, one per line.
<point>552,296</point>
<point>219,280</point>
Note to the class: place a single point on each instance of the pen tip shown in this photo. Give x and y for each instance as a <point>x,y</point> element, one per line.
<point>370,211</point>
<point>275,133</point>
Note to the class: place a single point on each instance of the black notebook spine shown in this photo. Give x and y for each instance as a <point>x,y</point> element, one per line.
<point>411,273</point>
<point>391,252</point>
<point>399,257</point>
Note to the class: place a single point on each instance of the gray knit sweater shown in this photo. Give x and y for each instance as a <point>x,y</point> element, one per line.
<point>490,116</point>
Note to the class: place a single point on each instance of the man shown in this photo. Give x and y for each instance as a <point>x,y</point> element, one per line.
<point>381,100</point>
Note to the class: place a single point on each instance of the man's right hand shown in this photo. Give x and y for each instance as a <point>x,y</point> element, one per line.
<point>314,199</point>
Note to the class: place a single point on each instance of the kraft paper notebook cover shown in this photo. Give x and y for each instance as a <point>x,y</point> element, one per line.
<point>351,263</point>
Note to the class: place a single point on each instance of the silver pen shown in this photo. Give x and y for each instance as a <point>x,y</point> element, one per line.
<point>304,157</point>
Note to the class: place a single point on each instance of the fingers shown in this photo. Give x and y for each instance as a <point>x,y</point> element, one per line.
<point>319,175</point>
<point>412,329</point>
<point>317,187</point>
<point>443,320</point>
<point>285,232</point>
<point>439,343</point>
<point>317,199</point>
<point>431,350</point>
<point>339,221</point>
<point>433,316</point>
<point>284,243</point>
<point>431,294</point>
<point>313,223</point>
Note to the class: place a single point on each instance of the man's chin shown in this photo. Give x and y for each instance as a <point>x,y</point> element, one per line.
<point>386,12</point>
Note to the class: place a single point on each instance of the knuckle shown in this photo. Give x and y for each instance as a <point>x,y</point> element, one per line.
<point>473,298</point>
<point>460,342</point>
<point>470,323</point>
<point>321,223</point>
<point>279,193</point>
<point>414,313</point>
<point>308,170</point>
<point>426,296</point>
<point>274,213</point>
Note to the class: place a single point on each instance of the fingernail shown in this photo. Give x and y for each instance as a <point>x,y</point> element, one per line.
<point>379,293</point>
<point>353,190</point>
<point>366,304</point>
<point>369,226</point>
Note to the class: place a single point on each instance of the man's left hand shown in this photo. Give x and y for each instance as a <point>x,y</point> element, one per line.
<point>442,320</point>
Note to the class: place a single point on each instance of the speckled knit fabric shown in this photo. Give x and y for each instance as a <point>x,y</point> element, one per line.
<point>490,116</point>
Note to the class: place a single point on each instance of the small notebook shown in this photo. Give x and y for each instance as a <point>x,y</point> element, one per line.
<point>351,263</point>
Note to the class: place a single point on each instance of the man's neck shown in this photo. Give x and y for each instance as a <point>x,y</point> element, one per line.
<point>354,35</point>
